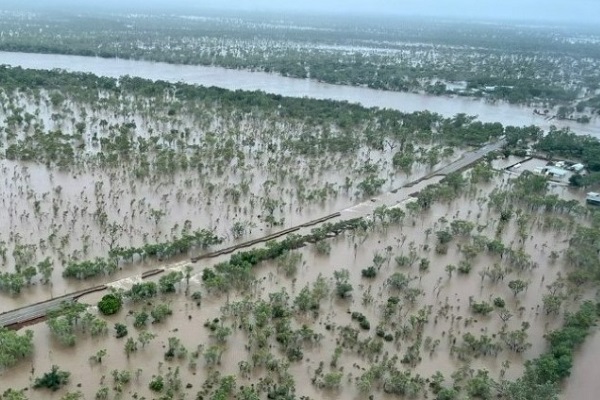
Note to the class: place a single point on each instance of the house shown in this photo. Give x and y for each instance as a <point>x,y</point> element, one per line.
<point>593,198</point>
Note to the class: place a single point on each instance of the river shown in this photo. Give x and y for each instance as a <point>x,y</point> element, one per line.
<point>271,83</point>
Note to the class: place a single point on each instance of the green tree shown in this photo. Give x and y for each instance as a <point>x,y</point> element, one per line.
<point>517,286</point>
<point>142,291</point>
<point>145,337</point>
<point>140,319</point>
<point>130,346</point>
<point>342,284</point>
<point>157,384</point>
<point>52,380</point>
<point>12,394</point>
<point>14,347</point>
<point>166,284</point>
<point>160,312</point>
<point>120,330</point>
<point>110,304</point>
<point>552,303</point>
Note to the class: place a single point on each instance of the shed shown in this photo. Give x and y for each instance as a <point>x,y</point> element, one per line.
<point>557,172</point>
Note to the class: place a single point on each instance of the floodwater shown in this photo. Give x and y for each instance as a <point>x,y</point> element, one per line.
<point>447,296</point>
<point>583,384</point>
<point>57,211</point>
<point>271,83</point>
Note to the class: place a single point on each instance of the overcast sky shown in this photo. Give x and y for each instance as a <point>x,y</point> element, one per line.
<point>550,10</point>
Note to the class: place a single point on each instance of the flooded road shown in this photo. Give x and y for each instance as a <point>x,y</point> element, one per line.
<point>271,83</point>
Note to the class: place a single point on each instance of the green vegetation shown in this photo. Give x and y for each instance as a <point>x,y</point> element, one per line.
<point>53,380</point>
<point>110,304</point>
<point>114,173</point>
<point>543,374</point>
<point>518,64</point>
<point>567,144</point>
<point>14,347</point>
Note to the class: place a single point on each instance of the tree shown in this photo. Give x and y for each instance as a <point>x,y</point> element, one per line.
<point>97,358</point>
<point>371,185</point>
<point>166,284</point>
<point>342,286</point>
<point>212,355</point>
<point>12,394</point>
<point>145,337</point>
<point>157,384</point>
<point>517,286</point>
<point>110,304</point>
<point>130,346</point>
<point>45,269</point>
<point>480,386</point>
<point>142,291</point>
<point>14,347</point>
<point>398,281</point>
<point>483,308</point>
<point>403,161</point>
<point>63,330</point>
<point>121,330</point>
<point>221,334</point>
<point>72,396</point>
<point>160,312</point>
<point>140,319</point>
<point>552,303</point>
<point>516,340</point>
<point>370,272</point>
<point>331,380</point>
<point>52,380</point>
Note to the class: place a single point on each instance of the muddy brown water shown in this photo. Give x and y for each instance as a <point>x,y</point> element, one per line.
<point>25,183</point>
<point>68,201</point>
<point>353,253</point>
<point>583,384</point>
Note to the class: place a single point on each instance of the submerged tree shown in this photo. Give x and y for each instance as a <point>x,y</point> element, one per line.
<point>53,380</point>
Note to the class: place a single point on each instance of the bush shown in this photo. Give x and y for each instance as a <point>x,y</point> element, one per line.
<point>157,384</point>
<point>110,304</point>
<point>14,347</point>
<point>160,312</point>
<point>370,272</point>
<point>121,330</point>
<point>464,267</point>
<point>482,308</point>
<point>142,291</point>
<point>365,324</point>
<point>140,319</point>
<point>52,380</point>
<point>499,302</point>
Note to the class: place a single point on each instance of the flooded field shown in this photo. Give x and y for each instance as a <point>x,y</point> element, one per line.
<point>238,176</point>
<point>428,283</point>
<point>455,293</point>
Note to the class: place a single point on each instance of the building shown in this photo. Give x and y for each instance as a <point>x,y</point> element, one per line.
<point>593,198</point>
<point>558,173</point>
